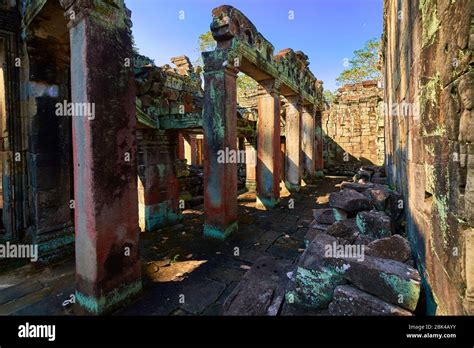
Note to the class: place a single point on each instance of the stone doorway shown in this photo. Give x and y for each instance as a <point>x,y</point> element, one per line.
<point>49,153</point>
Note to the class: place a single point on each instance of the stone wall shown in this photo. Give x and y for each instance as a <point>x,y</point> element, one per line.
<point>427,52</point>
<point>353,129</point>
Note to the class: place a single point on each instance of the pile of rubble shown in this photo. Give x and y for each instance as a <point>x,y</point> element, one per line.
<point>356,262</point>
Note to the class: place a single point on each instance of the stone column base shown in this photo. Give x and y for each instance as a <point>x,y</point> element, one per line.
<point>292,187</point>
<point>218,232</point>
<point>251,185</point>
<point>90,305</point>
<point>266,203</point>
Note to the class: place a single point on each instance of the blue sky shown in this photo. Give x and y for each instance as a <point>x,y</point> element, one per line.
<point>326,30</point>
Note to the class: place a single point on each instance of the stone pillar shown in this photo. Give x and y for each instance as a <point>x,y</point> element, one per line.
<point>250,165</point>
<point>181,147</point>
<point>268,145</point>
<point>220,130</point>
<point>159,197</point>
<point>308,138</point>
<point>104,151</point>
<point>293,158</point>
<point>318,145</point>
<point>190,149</point>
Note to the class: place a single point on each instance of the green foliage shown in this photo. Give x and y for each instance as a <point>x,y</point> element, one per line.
<point>328,96</point>
<point>245,84</point>
<point>363,65</point>
<point>207,42</point>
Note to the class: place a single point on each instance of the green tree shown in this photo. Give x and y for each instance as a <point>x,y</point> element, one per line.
<point>328,96</point>
<point>207,42</point>
<point>363,65</point>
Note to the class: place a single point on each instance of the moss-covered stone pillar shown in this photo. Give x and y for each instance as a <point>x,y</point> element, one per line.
<point>104,151</point>
<point>293,158</point>
<point>318,145</point>
<point>268,145</point>
<point>220,134</point>
<point>307,142</point>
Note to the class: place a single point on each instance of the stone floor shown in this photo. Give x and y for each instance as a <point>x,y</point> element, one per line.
<point>184,273</point>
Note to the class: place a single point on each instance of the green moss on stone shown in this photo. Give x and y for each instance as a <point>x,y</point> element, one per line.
<point>429,21</point>
<point>408,289</point>
<point>219,233</point>
<point>108,302</point>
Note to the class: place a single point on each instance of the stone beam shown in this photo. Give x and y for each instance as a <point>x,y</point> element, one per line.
<point>105,167</point>
<point>268,145</point>
<point>233,30</point>
<point>220,130</point>
<point>293,158</point>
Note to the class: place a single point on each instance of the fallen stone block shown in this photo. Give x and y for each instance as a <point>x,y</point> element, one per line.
<point>374,169</point>
<point>314,283</point>
<point>261,290</point>
<point>349,301</point>
<point>344,230</point>
<point>314,287</point>
<point>293,310</point>
<point>394,248</point>
<point>313,230</point>
<point>329,215</point>
<point>380,181</point>
<point>389,280</point>
<point>363,175</point>
<point>350,201</point>
<point>378,196</point>
<point>374,223</point>
<point>394,205</point>
<point>377,175</point>
<point>363,239</point>
<point>355,186</point>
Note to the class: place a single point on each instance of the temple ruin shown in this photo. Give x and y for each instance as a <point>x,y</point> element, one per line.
<point>105,162</point>
<point>354,128</point>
